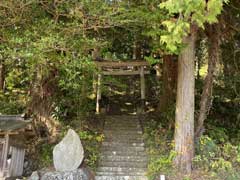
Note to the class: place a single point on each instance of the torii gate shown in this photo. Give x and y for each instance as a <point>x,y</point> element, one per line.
<point>121,68</point>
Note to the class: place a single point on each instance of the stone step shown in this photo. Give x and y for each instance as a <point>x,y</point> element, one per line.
<point>122,120</point>
<point>121,178</point>
<point>121,117</point>
<point>124,164</point>
<point>126,141</point>
<point>123,149</point>
<point>121,127</point>
<point>122,144</point>
<point>123,138</point>
<point>109,171</point>
<point>128,121</point>
<point>122,124</point>
<point>116,169</point>
<point>127,133</point>
<point>124,158</point>
<point>123,153</point>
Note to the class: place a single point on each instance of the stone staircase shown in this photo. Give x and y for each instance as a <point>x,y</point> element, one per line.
<point>123,155</point>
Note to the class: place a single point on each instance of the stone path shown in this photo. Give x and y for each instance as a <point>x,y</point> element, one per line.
<point>123,155</point>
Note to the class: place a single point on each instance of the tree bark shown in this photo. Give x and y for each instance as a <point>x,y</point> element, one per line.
<point>2,75</point>
<point>41,105</point>
<point>184,120</point>
<point>198,68</point>
<point>206,97</point>
<point>169,82</point>
<point>137,50</point>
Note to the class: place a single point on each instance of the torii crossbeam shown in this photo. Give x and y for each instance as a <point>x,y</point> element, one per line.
<point>118,68</point>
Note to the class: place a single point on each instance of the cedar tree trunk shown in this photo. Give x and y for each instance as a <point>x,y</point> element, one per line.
<point>184,120</point>
<point>169,82</point>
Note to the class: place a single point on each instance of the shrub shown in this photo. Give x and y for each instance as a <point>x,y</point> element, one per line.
<point>45,155</point>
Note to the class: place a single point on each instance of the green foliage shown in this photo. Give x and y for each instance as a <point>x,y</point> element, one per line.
<point>158,137</point>
<point>91,142</point>
<point>151,60</point>
<point>160,164</point>
<point>41,37</point>
<point>46,156</point>
<point>177,31</point>
<point>208,150</point>
<point>182,14</point>
<point>75,83</point>
<point>168,117</point>
<point>219,159</point>
<point>219,134</point>
<point>12,102</point>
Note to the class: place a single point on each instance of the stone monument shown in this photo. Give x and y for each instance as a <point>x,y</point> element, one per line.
<point>68,154</point>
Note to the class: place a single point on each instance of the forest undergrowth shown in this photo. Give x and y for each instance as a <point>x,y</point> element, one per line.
<point>217,152</point>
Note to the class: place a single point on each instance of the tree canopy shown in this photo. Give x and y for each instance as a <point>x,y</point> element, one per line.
<point>47,70</point>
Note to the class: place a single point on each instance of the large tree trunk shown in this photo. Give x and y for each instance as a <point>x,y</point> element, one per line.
<point>206,97</point>
<point>169,82</point>
<point>2,74</point>
<point>184,120</point>
<point>41,105</point>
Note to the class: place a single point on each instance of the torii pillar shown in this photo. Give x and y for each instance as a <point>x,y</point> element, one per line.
<point>143,88</point>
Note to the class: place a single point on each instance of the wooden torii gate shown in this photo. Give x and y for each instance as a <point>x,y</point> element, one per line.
<point>121,68</point>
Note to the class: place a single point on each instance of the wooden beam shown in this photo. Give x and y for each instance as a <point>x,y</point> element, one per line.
<point>143,88</point>
<point>17,132</point>
<point>120,63</point>
<point>94,85</point>
<point>11,118</point>
<point>142,79</point>
<point>122,72</point>
<point>9,132</point>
